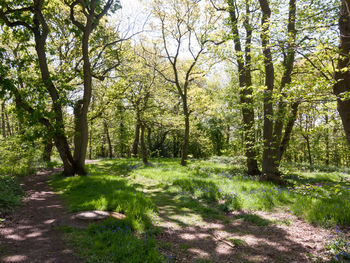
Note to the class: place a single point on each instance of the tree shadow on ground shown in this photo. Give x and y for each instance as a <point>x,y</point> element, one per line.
<point>29,234</point>
<point>194,230</point>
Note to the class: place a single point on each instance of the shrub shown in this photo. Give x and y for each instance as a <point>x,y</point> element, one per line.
<point>18,157</point>
<point>10,194</point>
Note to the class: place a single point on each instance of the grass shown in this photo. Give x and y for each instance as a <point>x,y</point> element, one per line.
<point>105,191</point>
<point>254,219</point>
<point>190,196</point>
<point>114,241</point>
<point>238,242</point>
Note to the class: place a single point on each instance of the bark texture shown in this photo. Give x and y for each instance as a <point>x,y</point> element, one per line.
<point>278,122</point>
<point>245,84</point>
<point>342,87</point>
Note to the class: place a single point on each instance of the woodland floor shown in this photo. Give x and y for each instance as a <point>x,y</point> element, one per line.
<point>31,233</point>
<point>239,236</point>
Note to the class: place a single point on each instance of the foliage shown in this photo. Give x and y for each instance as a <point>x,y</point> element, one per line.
<point>18,156</point>
<point>10,194</point>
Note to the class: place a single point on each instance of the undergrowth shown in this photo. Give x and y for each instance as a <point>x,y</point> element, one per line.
<point>10,194</point>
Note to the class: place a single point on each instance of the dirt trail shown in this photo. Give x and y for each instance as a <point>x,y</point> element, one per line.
<point>239,237</point>
<point>30,233</point>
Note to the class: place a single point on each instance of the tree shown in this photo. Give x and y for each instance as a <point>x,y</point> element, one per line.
<point>185,35</point>
<point>274,144</point>
<point>243,59</point>
<point>85,15</point>
<point>342,75</point>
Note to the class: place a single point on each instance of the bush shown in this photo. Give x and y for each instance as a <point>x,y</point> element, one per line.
<point>10,194</point>
<point>18,157</point>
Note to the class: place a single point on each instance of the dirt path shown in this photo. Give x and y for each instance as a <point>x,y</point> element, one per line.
<point>238,237</point>
<point>30,233</point>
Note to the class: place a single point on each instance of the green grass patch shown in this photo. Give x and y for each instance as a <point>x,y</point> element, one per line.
<point>253,219</point>
<point>114,241</point>
<point>237,242</point>
<point>106,192</point>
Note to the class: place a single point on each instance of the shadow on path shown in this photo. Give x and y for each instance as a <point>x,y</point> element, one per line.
<point>30,233</point>
<point>193,232</point>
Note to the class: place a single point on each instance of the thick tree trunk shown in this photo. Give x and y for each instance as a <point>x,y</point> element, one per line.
<point>80,138</point>
<point>269,166</point>
<point>327,140</point>
<point>274,144</point>
<point>245,84</point>
<point>59,129</point>
<point>82,106</point>
<point>288,131</point>
<point>135,145</point>
<point>65,154</point>
<point>342,87</point>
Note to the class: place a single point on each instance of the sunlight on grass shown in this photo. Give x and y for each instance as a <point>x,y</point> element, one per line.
<point>166,194</point>
<point>126,186</point>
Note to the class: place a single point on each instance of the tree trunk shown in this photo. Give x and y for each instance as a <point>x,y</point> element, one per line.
<point>3,125</point>
<point>135,144</point>
<point>82,106</point>
<point>110,148</point>
<point>90,142</point>
<point>186,138</point>
<point>48,145</point>
<point>149,141</point>
<point>288,131</point>
<point>245,84</point>
<point>274,145</point>
<point>327,140</point>
<point>59,129</point>
<point>308,149</point>
<point>175,148</point>
<point>342,77</point>
<point>9,130</point>
<point>144,151</point>
<point>65,154</point>
<point>269,167</point>
<point>80,138</point>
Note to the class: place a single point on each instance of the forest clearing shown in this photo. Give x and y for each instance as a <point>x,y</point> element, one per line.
<point>195,131</point>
